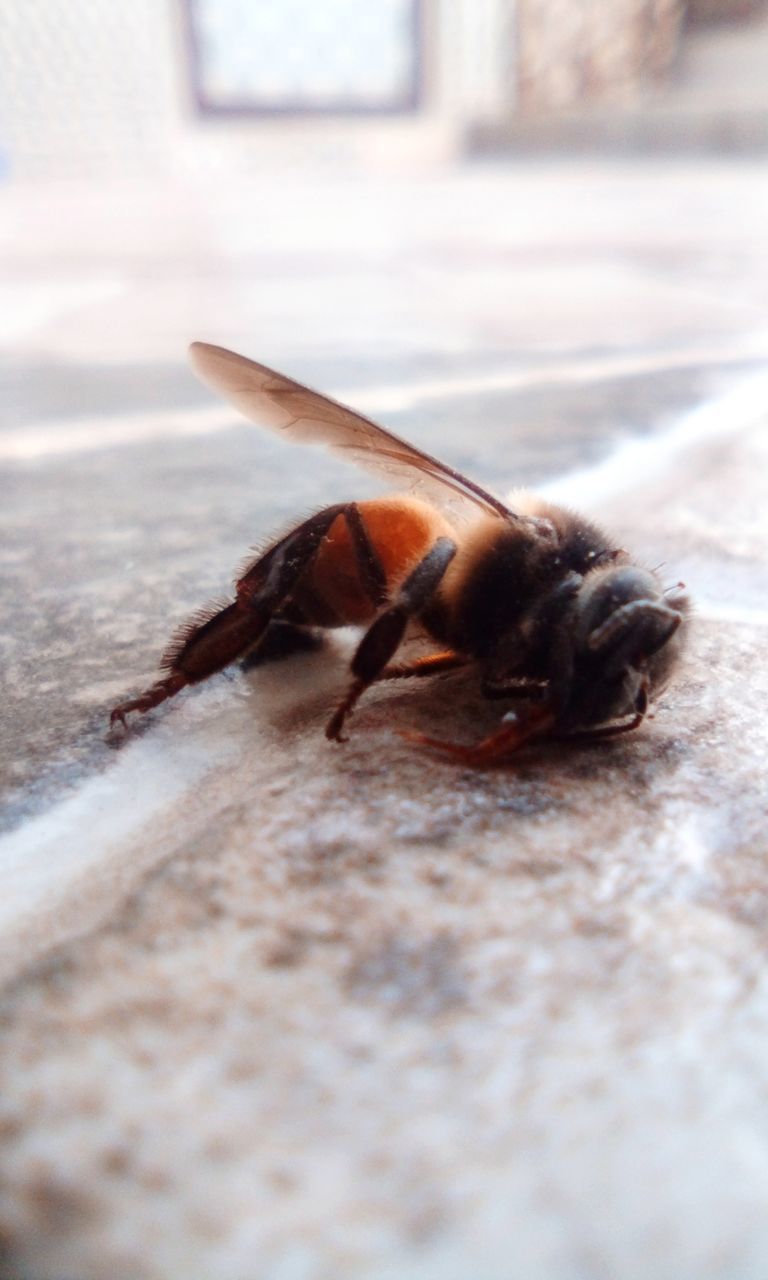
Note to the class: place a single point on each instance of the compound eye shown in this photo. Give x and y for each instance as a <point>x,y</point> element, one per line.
<point>649,623</point>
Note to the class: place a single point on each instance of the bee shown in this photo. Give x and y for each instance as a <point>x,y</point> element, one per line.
<point>536,598</point>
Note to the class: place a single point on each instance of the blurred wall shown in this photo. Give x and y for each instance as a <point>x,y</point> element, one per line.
<point>89,85</point>
<point>576,51</point>
<point>99,88</point>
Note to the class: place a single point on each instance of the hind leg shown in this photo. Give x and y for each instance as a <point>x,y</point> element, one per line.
<point>207,644</point>
<point>211,642</point>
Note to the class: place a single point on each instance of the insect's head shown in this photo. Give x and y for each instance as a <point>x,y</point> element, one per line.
<point>625,632</point>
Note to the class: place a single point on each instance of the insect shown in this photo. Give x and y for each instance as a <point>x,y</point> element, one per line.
<point>549,611</point>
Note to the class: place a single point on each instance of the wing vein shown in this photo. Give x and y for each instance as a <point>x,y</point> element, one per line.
<point>302,415</point>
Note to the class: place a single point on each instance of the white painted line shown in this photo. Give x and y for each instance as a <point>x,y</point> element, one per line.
<point>85,434</point>
<point>28,307</point>
<point>655,461</point>
<point>569,372</point>
<point>65,857</point>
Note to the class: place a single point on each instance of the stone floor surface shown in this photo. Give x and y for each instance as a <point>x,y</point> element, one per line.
<point>279,1010</point>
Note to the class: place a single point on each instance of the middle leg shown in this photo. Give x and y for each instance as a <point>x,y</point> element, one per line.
<point>385,634</point>
<point>432,664</point>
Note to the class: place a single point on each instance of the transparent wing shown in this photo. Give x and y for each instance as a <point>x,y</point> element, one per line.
<point>306,417</point>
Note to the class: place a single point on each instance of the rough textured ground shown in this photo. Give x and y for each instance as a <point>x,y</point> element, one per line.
<point>284,1011</point>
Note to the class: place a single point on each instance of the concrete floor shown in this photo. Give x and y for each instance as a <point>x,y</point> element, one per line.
<point>280,1010</point>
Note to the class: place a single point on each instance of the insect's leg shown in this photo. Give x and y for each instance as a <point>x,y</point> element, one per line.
<point>545,697</point>
<point>604,731</point>
<point>267,582</point>
<point>497,746</point>
<point>384,635</point>
<point>150,698</point>
<point>207,645</point>
<point>432,664</point>
<point>521,730</point>
<point>612,730</point>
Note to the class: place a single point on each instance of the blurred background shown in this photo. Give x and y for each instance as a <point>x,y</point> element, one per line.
<point>179,86</point>
<point>520,231</point>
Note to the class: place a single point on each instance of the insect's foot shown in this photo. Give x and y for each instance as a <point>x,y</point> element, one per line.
<point>336,723</point>
<point>118,716</point>
<point>333,729</point>
<point>151,698</point>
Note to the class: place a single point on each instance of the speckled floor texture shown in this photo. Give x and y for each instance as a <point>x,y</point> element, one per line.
<point>279,1010</point>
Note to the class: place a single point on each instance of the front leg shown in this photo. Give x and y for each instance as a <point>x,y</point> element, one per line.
<point>498,746</point>
<point>543,696</point>
<point>383,637</point>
